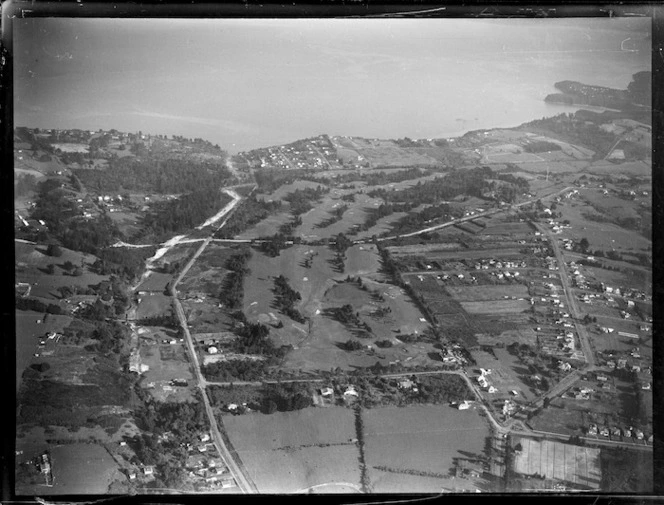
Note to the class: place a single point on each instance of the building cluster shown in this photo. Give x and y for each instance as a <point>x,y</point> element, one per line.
<point>316,153</point>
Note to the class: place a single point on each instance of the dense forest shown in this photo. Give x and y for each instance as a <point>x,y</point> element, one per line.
<point>171,176</point>
<point>186,212</point>
<point>471,182</point>
<point>580,128</point>
<point>53,206</point>
<point>302,200</point>
<point>249,212</point>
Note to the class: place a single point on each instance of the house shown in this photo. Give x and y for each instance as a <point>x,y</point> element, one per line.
<point>204,437</point>
<point>406,384</point>
<point>602,378</point>
<point>564,366</point>
<point>148,470</point>
<point>615,431</point>
<point>328,391</point>
<point>639,434</point>
<point>232,406</point>
<point>350,391</point>
<point>492,389</point>
<point>627,432</point>
<point>132,475</point>
<point>592,429</point>
<point>604,431</point>
<point>212,350</point>
<point>464,405</point>
<point>226,483</point>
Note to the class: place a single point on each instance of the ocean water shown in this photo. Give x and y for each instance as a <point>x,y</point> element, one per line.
<point>254,83</point>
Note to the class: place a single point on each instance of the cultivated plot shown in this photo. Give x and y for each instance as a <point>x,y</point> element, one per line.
<point>288,452</point>
<point>413,449</point>
<point>568,463</point>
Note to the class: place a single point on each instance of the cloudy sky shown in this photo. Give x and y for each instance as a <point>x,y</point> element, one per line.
<point>249,83</point>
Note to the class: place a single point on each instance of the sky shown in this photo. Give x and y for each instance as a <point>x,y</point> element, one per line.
<point>247,83</point>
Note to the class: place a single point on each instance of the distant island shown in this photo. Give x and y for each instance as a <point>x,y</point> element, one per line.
<point>636,96</point>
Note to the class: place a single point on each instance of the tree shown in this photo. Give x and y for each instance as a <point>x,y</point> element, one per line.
<point>584,244</point>
<point>54,250</point>
<point>69,266</point>
<point>50,269</point>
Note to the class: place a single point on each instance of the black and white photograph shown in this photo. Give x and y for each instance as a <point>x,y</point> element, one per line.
<point>383,255</point>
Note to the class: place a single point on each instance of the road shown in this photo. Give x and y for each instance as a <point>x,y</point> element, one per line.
<point>242,480</point>
<point>470,218</point>
<point>571,299</point>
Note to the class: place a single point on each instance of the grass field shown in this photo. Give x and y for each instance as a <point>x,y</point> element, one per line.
<point>636,168</point>
<point>166,362</point>
<point>284,190</point>
<point>155,282</point>
<point>363,260</point>
<point>568,463</point>
<point>506,374</point>
<point>286,452</point>
<point>31,258</point>
<point>267,227</point>
<point>507,228</point>
<point>153,304</point>
<point>496,307</point>
<point>420,439</point>
<point>78,469</point>
<point>27,331</point>
<point>483,293</point>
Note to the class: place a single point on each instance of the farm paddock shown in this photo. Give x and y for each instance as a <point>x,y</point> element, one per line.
<point>573,465</point>
<point>414,449</point>
<point>290,452</point>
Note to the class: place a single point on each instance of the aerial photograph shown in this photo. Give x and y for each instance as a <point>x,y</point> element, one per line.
<point>333,256</point>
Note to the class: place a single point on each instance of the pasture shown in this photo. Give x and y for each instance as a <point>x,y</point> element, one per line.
<point>496,307</point>
<point>504,228</point>
<point>156,282</point>
<point>153,304</point>
<point>415,447</point>
<point>30,259</point>
<point>78,469</point>
<point>27,333</point>
<point>601,235</point>
<point>287,452</point>
<point>554,167</point>
<point>284,190</point>
<point>629,168</point>
<point>484,293</point>
<point>267,227</point>
<point>571,464</point>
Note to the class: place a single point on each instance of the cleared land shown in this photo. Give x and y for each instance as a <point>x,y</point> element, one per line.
<point>287,452</point>
<point>483,293</point>
<point>78,469</point>
<point>28,334</point>
<point>555,460</point>
<point>421,439</point>
<point>496,307</point>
